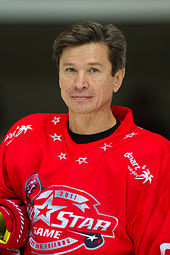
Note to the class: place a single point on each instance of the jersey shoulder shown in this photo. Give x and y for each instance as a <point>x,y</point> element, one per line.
<point>143,149</point>
<point>147,155</point>
<point>148,140</point>
<point>31,126</point>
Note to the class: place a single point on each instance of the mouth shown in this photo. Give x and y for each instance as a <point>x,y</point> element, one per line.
<point>81,98</point>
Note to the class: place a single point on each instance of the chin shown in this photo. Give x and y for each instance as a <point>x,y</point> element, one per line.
<point>77,107</point>
<point>81,109</point>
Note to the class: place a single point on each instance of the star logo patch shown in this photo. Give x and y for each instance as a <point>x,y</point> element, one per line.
<point>44,211</point>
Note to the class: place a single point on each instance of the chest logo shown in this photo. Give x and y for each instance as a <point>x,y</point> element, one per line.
<point>165,248</point>
<point>64,219</point>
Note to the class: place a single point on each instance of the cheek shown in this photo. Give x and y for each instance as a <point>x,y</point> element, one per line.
<point>105,94</point>
<point>63,83</point>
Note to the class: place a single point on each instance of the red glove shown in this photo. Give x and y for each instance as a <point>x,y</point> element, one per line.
<point>9,252</point>
<point>17,224</point>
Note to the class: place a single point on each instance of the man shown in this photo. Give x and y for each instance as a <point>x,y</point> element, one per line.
<point>92,181</point>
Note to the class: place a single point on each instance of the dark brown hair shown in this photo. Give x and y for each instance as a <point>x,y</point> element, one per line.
<point>92,32</point>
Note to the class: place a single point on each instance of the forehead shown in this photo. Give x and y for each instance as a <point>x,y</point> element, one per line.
<point>91,52</point>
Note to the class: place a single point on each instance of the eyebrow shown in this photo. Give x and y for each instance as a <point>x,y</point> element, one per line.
<point>89,64</point>
<point>68,64</point>
<point>94,64</point>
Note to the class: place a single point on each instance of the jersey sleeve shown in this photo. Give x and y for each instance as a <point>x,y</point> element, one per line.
<point>14,222</point>
<point>150,227</point>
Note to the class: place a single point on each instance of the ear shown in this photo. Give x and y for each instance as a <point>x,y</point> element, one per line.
<point>118,78</point>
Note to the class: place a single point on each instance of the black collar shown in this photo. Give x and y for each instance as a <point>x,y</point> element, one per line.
<point>80,139</point>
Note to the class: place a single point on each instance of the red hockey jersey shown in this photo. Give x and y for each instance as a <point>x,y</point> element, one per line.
<point>111,196</point>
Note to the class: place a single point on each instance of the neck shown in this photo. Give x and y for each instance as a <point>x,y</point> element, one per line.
<point>91,123</point>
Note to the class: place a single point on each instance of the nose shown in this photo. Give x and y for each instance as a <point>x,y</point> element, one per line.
<point>81,81</point>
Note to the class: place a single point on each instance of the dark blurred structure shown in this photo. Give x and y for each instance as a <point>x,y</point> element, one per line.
<point>28,75</point>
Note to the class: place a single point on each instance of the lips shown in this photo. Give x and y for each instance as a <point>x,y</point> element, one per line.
<point>81,97</point>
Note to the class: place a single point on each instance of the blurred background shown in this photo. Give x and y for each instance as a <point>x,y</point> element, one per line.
<point>28,81</point>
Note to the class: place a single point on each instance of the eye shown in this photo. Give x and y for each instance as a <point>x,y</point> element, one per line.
<point>70,70</point>
<point>94,70</point>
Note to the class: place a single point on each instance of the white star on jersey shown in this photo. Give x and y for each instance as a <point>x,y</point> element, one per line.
<point>56,137</point>
<point>62,156</point>
<point>106,146</point>
<point>130,135</point>
<point>82,160</point>
<point>56,120</point>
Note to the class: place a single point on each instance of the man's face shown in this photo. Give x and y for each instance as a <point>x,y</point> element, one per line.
<point>85,78</point>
